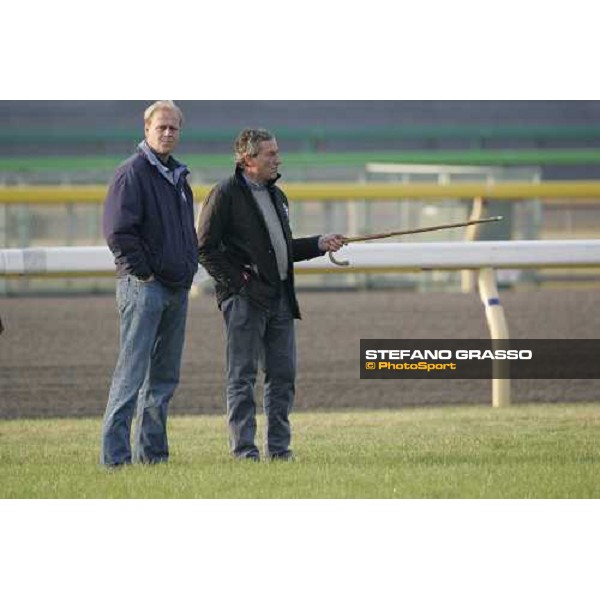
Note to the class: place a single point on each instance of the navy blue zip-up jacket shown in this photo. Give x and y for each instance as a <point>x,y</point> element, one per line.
<point>149,223</point>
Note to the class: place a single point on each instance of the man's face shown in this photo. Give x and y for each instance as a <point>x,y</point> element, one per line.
<point>263,167</point>
<point>162,133</point>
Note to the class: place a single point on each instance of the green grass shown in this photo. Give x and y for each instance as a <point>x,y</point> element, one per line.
<point>531,451</point>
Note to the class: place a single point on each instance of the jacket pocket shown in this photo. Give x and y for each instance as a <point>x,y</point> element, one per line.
<point>260,293</point>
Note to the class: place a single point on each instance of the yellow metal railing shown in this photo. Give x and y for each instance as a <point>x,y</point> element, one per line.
<point>582,190</point>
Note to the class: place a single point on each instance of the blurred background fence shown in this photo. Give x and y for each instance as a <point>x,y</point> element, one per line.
<point>47,148</point>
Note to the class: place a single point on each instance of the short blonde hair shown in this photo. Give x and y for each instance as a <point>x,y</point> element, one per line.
<point>162,105</point>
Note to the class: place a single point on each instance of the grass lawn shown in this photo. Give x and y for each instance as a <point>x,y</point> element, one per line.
<point>528,451</point>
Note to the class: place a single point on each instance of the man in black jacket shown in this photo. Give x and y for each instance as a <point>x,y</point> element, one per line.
<point>149,227</point>
<point>246,244</point>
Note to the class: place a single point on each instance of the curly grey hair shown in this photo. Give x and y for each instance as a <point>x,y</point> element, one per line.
<point>248,143</point>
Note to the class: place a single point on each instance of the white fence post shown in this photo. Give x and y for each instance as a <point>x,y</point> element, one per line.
<point>496,320</point>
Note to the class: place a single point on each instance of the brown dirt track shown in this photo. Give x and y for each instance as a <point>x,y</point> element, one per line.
<point>57,354</point>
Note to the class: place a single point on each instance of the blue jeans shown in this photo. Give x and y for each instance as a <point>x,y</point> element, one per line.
<point>152,333</point>
<point>256,336</point>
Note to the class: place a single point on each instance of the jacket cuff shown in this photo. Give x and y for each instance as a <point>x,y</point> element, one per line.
<point>142,273</point>
<point>317,249</point>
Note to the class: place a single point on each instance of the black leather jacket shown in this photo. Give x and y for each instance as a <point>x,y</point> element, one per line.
<point>235,247</point>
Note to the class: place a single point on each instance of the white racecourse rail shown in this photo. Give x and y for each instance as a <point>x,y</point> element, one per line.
<point>85,260</point>
<point>484,256</point>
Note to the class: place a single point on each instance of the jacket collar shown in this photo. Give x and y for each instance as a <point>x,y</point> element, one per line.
<point>239,173</point>
<point>172,173</point>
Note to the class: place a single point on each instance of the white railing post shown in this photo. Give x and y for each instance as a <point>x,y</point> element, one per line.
<point>496,320</point>
<point>467,280</point>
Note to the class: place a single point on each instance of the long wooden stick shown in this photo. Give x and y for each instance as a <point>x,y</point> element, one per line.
<point>381,236</point>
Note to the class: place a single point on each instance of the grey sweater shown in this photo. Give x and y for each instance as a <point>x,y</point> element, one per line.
<point>274,226</point>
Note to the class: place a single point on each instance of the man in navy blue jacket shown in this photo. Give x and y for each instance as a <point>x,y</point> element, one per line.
<point>149,227</point>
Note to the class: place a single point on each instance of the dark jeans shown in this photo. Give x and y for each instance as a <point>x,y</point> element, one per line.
<point>255,335</point>
<point>147,372</point>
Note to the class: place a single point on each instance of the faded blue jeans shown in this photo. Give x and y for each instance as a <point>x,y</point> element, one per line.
<point>152,334</point>
<point>255,336</point>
